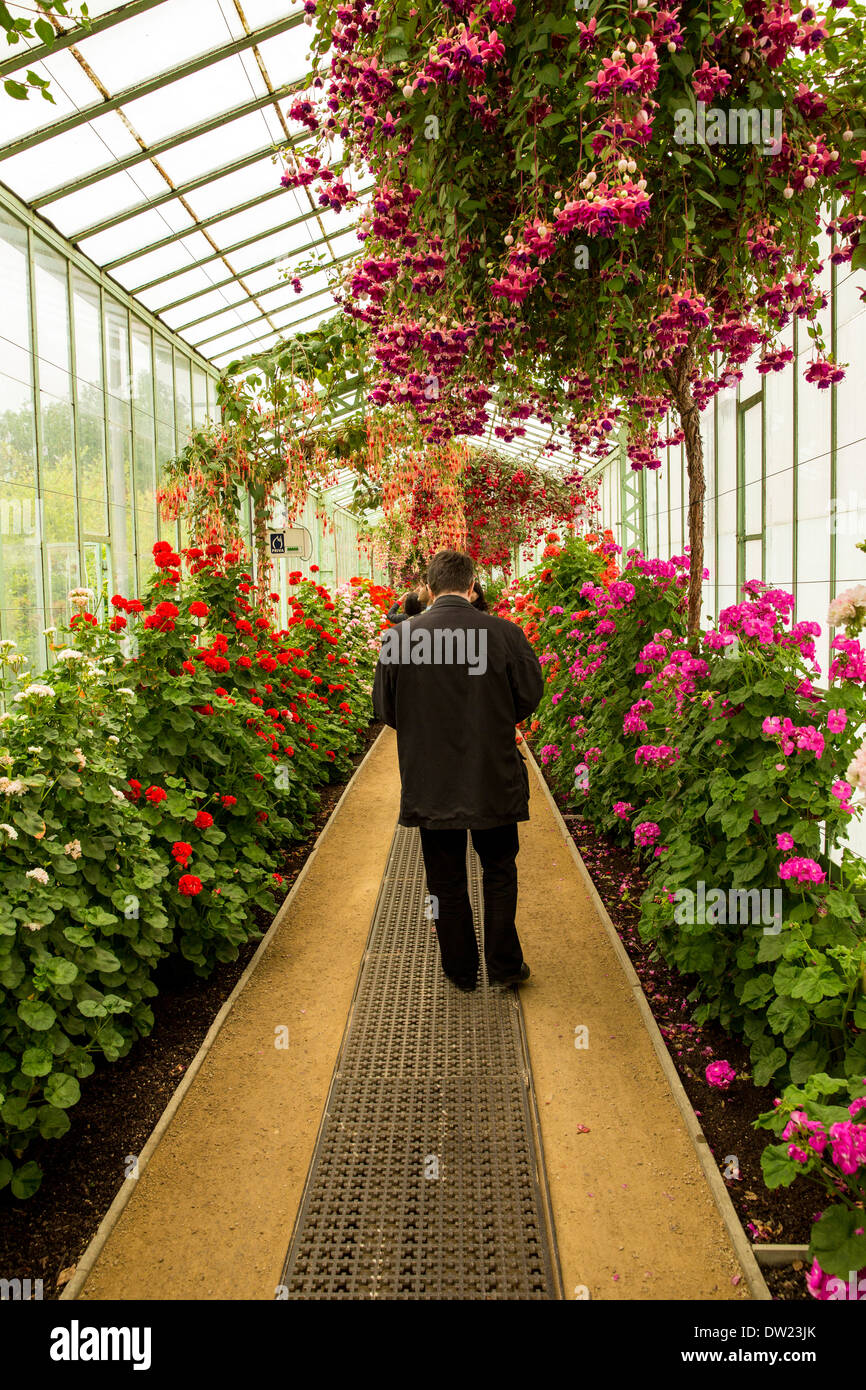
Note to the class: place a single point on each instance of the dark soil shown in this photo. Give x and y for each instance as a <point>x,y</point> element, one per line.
<point>781,1217</point>
<point>44,1237</point>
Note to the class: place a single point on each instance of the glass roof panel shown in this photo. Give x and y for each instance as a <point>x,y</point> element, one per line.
<point>152,176</point>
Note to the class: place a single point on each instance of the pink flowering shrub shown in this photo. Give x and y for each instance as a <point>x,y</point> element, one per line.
<point>740,773</point>
<point>822,1128</point>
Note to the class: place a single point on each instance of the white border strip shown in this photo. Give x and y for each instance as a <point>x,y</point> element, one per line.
<point>742,1246</point>
<point>112,1216</point>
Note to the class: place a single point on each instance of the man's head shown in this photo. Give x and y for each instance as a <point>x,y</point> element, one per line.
<point>413,605</point>
<point>450,572</point>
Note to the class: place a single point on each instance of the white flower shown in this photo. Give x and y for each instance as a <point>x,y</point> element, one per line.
<point>33,926</point>
<point>77,753</point>
<point>35,689</point>
<point>7,715</point>
<point>9,831</point>
<point>68,654</point>
<point>35,748</point>
<point>79,598</point>
<point>39,874</point>
<point>114,792</point>
<point>73,849</point>
<point>6,760</point>
<point>6,645</point>
<point>125,690</point>
<point>48,631</point>
<point>12,786</point>
<point>112,738</point>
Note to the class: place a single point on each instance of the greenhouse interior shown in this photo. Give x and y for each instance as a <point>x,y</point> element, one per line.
<point>419,420</point>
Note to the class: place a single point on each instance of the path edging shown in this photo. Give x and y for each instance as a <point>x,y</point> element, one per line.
<point>112,1216</point>
<point>742,1246</point>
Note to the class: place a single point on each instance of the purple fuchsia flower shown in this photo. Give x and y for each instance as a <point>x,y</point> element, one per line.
<point>720,1074</point>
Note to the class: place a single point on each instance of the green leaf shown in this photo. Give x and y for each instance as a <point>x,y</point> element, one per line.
<point>6,1171</point>
<point>62,1090</point>
<point>36,1014</point>
<point>778,1169</point>
<point>53,1123</point>
<point>37,1061</point>
<point>835,1246</point>
<point>765,1068</point>
<point>26,1180</point>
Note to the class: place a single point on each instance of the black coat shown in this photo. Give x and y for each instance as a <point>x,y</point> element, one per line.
<point>459,763</point>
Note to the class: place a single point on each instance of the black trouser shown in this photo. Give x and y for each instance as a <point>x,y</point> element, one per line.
<point>445,862</point>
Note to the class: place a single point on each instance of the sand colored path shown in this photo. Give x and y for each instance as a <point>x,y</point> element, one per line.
<point>211,1214</point>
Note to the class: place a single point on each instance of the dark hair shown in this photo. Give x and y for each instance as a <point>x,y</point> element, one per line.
<point>413,605</point>
<point>449,571</point>
<point>480,604</point>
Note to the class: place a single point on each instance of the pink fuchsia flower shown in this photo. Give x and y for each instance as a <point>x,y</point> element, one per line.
<point>803,870</point>
<point>785,841</point>
<point>836,720</point>
<point>720,1074</point>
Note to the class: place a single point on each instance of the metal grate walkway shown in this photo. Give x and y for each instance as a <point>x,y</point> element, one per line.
<point>427,1180</point>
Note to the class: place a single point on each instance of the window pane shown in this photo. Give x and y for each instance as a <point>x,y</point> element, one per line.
<point>142,368</point>
<point>52,311</point>
<point>183,399</point>
<point>21,616</point>
<point>14,296</point>
<point>88,334</point>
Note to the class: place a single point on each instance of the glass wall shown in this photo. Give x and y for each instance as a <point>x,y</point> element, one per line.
<point>93,400</point>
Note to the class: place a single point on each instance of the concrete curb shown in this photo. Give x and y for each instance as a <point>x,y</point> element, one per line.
<point>742,1246</point>
<point>776,1256</point>
<point>112,1216</point>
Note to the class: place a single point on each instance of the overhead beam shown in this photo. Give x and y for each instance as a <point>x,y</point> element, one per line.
<point>276,192</point>
<point>197,226</point>
<point>147,88</point>
<point>260,294</point>
<point>289,304</point>
<point>180,190</point>
<point>224,251</point>
<point>129,161</point>
<point>251,342</point>
<point>25,58</point>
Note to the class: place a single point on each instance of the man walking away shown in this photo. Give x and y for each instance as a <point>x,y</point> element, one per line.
<point>454,682</point>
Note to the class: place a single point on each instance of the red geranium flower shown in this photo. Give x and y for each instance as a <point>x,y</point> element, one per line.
<point>295,577</point>
<point>134,790</point>
<point>262,815</point>
<point>117,623</point>
<point>118,601</point>
<point>188,666</point>
<point>134,605</point>
<point>156,794</point>
<point>314,569</point>
<point>182,852</point>
<point>213,550</point>
<point>199,609</point>
<point>228,800</point>
<point>203,820</point>
<point>189,885</point>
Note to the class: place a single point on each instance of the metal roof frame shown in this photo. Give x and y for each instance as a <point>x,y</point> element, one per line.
<point>144,89</point>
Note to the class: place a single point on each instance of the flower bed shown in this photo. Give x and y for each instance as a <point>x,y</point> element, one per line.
<point>730,777</point>
<point>153,774</point>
